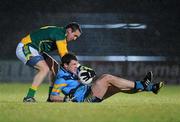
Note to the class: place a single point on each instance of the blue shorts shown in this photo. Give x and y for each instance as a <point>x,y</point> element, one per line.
<point>34,60</point>
<point>81,93</point>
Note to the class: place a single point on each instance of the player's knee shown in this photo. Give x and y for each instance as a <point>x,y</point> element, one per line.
<point>44,69</point>
<point>104,80</point>
<point>107,77</point>
<point>101,83</point>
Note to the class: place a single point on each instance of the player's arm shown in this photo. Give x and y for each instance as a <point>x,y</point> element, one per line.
<point>57,90</point>
<point>56,98</point>
<point>59,98</point>
<point>62,47</point>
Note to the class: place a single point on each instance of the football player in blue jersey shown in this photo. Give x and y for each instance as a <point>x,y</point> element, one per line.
<point>67,82</point>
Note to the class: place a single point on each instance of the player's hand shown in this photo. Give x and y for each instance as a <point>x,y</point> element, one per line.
<point>66,99</point>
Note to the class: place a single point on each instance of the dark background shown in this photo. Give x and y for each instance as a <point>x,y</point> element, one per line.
<point>160,38</point>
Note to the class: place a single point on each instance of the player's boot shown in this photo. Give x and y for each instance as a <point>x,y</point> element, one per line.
<point>147,79</point>
<point>48,100</point>
<point>156,87</point>
<point>29,99</point>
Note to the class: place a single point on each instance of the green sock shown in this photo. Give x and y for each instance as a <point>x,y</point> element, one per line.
<point>31,92</point>
<point>50,90</point>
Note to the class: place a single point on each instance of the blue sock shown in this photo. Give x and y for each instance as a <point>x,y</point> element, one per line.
<point>138,86</point>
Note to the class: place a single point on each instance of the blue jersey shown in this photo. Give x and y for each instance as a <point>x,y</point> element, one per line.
<point>66,82</point>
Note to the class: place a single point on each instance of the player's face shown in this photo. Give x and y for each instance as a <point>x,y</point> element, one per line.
<point>72,35</point>
<point>72,66</point>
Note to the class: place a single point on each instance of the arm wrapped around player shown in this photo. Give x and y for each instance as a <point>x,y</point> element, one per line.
<point>86,74</point>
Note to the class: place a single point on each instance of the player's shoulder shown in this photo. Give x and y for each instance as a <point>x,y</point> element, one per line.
<point>58,32</point>
<point>62,72</point>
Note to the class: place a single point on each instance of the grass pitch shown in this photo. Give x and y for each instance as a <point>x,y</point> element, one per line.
<point>140,107</point>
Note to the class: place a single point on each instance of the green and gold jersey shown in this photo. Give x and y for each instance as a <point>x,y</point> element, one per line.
<point>47,39</point>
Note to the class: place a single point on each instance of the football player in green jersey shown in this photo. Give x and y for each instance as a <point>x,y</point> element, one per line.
<point>45,39</point>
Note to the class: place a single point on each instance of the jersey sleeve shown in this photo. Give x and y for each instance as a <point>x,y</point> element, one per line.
<point>58,86</point>
<point>62,47</point>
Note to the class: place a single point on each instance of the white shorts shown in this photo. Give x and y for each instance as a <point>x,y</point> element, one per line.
<point>20,54</point>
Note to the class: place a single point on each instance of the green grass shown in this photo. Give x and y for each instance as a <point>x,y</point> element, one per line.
<point>141,107</point>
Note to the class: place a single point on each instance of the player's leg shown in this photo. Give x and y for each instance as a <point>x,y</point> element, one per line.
<point>32,58</point>
<point>100,87</point>
<point>111,91</point>
<point>51,79</point>
<point>138,86</point>
<point>43,70</point>
<point>52,63</point>
<point>149,85</point>
<point>101,90</point>
<point>53,66</point>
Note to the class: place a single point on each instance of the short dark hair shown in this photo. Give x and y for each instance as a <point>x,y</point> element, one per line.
<point>66,59</point>
<point>74,26</point>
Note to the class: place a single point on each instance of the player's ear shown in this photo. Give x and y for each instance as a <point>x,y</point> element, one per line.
<point>65,65</point>
<point>69,30</point>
